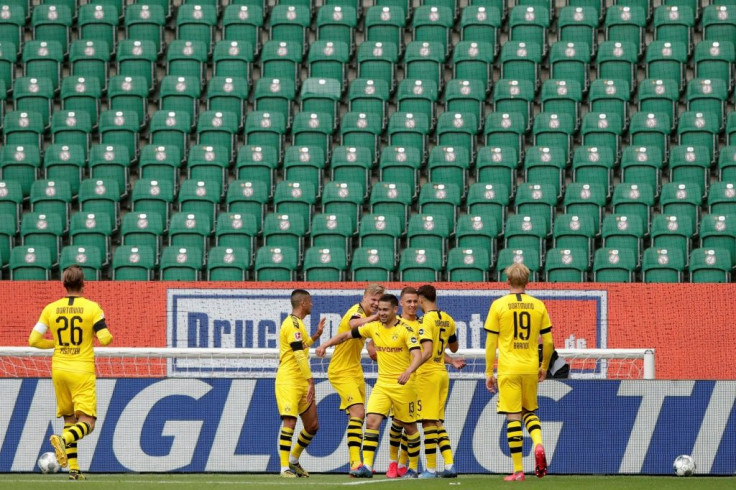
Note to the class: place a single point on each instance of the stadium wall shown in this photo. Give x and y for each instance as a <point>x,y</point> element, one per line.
<point>231,425</point>
<point>687,324</point>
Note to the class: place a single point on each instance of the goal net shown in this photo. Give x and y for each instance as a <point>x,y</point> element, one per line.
<point>24,362</point>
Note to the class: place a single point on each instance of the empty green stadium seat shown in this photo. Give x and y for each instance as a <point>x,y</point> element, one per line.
<point>30,263</point>
<point>682,199</point>
<point>90,60</point>
<point>719,231</point>
<point>719,23</point>
<point>20,165</point>
<point>290,23</point>
<point>624,232</point>
<point>473,60</point>
<point>120,128</point>
<point>52,23</point>
<point>700,129</point>
<point>610,97</point>
<point>616,60</point>
<point>325,264</point>
<point>88,258</point>
<point>614,265</point>
<point>481,24</point>
<point>145,23</point>
<point>505,130</point>
<point>468,265</point>
<point>651,129</point>
<point>196,22</point>
<point>190,230</point>
<point>672,232</point>
<point>369,96</point>
<point>228,264</point>
<point>529,24</point>
<point>634,199</point>
<point>372,264</point>
<point>295,199</point>
<point>642,165</point>
<point>602,131</point>
<point>420,265</point>
<point>715,60</point>
<point>377,61</point>
<point>562,97</point>
<point>526,232</point>
<point>586,200</point>
<point>625,22</point>
<point>181,263</point>
<point>666,61</point>
<point>708,96</point>
<point>99,23</point>
<point>11,29</point>
<point>545,165</point>
<point>65,164</point>
<point>133,263</point>
<point>43,230</point>
<point>440,199</point>
<point>554,130</point>
<point>514,96</point>
<point>352,164</point>
<point>476,232</point>
<point>378,231</point>
<point>237,231</point>
<point>579,25</point>
<point>170,128</point>
<point>248,198</point>
<point>153,197</point>
<point>427,231</point>
<point>570,61</point>
<point>215,128</point>
<point>509,256</point>
<point>662,265</point>
<point>690,164</point>
<point>93,231</point>
<point>361,130</point>
<point>276,264</point>
<point>385,24</point>
<point>50,197</point>
<point>328,60</point>
<point>337,23</point>
<point>537,200</point>
<point>233,59</point>
<point>591,164</point>
<point>23,129</point>
<point>424,60</point>
<point>80,94</point>
<point>433,23</point>
<point>566,265</point>
<point>710,265</point>
<point>571,231</point>
<point>243,23</point>
<point>32,94</point>
<point>389,198</point>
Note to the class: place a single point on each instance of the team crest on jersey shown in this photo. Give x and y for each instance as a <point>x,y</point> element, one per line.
<point>421,331</point>
<point>297,335</point>
<point>395,338</point>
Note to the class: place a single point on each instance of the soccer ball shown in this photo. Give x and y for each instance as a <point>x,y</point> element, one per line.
<point>684,465</point>
<point>47,463</point>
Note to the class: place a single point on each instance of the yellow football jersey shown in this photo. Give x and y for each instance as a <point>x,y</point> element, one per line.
<point>292,330</point>
<point>439,327</point>
<point>346,358</point>
<point>414,324</point>
<point>73,321</point>
<point>518,320</point>
<point>392,347</point>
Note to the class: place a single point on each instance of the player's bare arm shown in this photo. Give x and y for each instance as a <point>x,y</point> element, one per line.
<point>416,361</point>
<point>427,349</point>
<point>336,340</point>
<point>455,361</point>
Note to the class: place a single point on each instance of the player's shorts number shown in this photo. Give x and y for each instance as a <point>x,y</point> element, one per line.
<point>75,331</point>
<point>522,325</point>
<point>411,408</point>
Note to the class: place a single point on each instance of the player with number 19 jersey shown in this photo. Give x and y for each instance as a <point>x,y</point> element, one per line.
<point>518,320</point>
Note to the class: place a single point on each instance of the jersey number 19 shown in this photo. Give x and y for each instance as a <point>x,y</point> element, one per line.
<point>522,325</point>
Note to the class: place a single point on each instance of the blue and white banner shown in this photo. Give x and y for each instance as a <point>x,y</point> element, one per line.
<point>250,318</point>
<point>231,425</point>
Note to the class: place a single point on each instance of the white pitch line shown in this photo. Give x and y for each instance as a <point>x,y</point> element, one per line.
<point>123,481</point>
<point>369,482</point>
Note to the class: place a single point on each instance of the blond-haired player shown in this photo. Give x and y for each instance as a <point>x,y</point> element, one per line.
<point>346,374</point>
<point>73,321</point>
<point>295,384</point>
<point>398,356</point>
<point>515,322</point>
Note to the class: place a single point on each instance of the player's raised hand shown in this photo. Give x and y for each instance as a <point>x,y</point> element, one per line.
<point>491,384</point>
<point>320,328</point>
<point>458,362</point>
<point>404,377</point>
<point>320,351</point>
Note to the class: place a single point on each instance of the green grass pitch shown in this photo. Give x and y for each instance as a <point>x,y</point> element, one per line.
<point>465,482</point>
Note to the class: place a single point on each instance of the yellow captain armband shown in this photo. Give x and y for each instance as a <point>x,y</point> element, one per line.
<point>104,336</point>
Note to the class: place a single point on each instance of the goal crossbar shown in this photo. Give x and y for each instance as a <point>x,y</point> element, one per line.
<point>646,356</point>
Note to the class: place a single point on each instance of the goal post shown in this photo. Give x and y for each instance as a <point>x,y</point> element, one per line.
<point>122,362</point>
